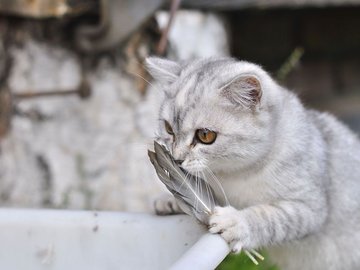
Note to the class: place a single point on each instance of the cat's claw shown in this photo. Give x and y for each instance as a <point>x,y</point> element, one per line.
<point>227,222</point>
<point>166,205</point>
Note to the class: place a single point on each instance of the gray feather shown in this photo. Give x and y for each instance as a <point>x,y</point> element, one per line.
<point>183,186</point>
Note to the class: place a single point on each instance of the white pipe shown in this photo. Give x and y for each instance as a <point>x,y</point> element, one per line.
<point>205,254</point>
<point>72,240</point>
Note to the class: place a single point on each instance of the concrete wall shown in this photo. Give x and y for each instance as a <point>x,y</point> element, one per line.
<point>65,152</point>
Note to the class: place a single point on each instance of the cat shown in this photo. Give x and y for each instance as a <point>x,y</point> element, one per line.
<point>291,174</point>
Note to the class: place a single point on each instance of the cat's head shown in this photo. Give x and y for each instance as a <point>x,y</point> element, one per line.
<point>216,112</point>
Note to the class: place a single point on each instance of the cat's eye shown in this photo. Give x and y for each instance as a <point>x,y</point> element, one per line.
<point>205,136</point>
<point>168,128</point>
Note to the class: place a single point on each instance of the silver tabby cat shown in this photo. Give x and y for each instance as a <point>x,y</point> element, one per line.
<point>292,175</point>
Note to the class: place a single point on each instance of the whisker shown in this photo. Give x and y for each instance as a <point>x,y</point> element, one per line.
<point>140,143</point>
<point>209,192</point>
<point>148,82</point>
<point>141,77</point>
<point>215,181</point>
<point>199,186</point>
<point>187,178</point>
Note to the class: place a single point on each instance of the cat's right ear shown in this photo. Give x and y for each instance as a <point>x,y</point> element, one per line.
<point>163,70</point>
<point>244,91</point>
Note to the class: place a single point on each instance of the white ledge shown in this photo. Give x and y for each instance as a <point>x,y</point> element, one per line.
<point>62,239</point>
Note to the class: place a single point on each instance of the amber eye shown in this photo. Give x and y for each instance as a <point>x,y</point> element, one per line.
<point>168,128</point>
<point>206,136</point>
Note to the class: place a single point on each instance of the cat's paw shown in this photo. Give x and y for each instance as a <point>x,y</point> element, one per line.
<point>227,222</point>
<point>166,205</point>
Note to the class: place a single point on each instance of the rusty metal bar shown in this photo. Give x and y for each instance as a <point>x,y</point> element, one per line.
<point>29,95</point>
<point>161,48</point>
<point>41,9</point>
<point>84,91</point>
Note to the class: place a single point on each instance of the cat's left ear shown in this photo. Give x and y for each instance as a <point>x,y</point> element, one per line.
<point>244,91</point>
<point>163,70</point>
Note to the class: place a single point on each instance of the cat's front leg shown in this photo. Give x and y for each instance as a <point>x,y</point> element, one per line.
<point>263,225</point>
<point>166,204</point>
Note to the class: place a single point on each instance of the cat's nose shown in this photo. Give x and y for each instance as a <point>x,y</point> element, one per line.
<point>179,161</point>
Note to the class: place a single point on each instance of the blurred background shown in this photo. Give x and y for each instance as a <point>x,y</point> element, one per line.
<point>78,110</point>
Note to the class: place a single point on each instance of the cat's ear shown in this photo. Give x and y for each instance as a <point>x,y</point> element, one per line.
<point>163,70</point>
<point>243,90</point>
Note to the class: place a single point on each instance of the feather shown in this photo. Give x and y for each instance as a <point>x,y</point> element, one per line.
<point>194,194</point>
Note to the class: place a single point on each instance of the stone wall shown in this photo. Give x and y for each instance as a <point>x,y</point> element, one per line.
<point>67,152</point>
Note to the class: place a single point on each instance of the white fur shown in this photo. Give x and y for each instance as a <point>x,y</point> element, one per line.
<point>291,175</point>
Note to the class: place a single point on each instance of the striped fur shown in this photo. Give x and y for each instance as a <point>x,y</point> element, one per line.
<point>292,175</point>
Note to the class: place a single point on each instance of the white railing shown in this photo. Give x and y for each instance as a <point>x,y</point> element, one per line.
<point>63,239</point>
